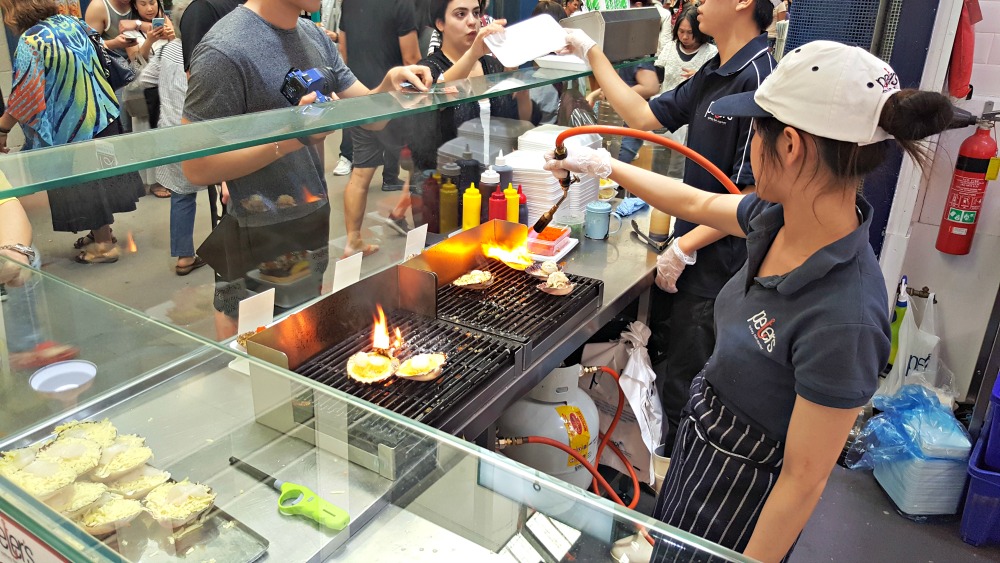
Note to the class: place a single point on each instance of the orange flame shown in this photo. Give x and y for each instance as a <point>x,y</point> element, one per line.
<point>309,197</point>
<point>380,332</point>
<point>130,243</point>
<point>517,258</point>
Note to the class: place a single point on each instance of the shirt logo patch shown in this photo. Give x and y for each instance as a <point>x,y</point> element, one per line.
<point>762,329</point>
<point>721,119</point>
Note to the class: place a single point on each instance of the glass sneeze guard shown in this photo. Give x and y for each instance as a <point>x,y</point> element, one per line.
<point>66,165</point>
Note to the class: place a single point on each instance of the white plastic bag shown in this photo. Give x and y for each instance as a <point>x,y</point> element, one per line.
<point>918,359</point>
<point>638,431</point>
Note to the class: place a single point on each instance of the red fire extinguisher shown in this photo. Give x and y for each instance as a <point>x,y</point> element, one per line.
<point>968,186</point>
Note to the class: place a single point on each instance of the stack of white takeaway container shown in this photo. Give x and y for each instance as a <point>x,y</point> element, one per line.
<point>539,185</point>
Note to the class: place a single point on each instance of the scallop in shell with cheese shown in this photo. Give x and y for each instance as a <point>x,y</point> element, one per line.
<point>111,513</point>
<point>137,484</point>
<point>102,431</point>
<point>476,279</point>
<point>75,454</point>
<point>175,504</point>
<point>126,454</point>
<point>15,460</point>
<point>42,479</point>
<point>369,367</point>
<point>76,498</point>
<point>422,367</point>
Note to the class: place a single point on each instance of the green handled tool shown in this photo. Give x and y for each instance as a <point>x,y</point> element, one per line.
<point>298,500</point>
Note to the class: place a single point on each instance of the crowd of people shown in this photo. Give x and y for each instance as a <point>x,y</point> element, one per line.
<point>714,85</point>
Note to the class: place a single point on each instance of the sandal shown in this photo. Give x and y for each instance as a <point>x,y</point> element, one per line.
<point>89,239</point>
<point>185,270</point>
<point>159,191</point>
<point>99,254</point>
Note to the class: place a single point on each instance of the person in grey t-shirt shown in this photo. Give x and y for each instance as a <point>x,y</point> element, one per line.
<point>277,189</point>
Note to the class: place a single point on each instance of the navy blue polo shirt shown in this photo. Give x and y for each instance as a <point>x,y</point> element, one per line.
<point>820,331</point>
<point>724,141</point>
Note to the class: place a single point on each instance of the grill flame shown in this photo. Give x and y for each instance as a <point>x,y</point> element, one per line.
<point>381,341</point>
<point>130,243</point>
<point>515,257</point>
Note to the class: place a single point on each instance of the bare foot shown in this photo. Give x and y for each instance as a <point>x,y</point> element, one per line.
<point>365,249</point>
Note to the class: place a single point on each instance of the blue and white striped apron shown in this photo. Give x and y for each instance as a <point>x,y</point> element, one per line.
<point>721,472</point>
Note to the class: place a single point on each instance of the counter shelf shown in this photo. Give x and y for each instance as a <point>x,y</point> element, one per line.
<point>455,501</point>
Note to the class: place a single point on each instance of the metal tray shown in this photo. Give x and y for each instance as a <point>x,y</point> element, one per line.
<point>218,537</point>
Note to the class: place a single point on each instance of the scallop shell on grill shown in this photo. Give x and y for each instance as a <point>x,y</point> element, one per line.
<point>476,279</point>
<point>370,367</point>
<point>422,367</point>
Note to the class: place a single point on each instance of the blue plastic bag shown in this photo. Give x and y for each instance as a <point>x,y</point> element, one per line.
<point>913,424</point>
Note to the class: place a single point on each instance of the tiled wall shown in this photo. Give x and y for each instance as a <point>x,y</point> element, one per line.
<point>966,285</point>
<point>986,70</point>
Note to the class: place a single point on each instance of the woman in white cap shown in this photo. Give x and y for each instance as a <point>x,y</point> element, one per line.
<point>802,329</point>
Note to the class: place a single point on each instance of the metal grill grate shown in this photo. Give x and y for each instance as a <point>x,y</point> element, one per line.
<point>513,307</point>
<point>848,21</point>
<point>473,359</point>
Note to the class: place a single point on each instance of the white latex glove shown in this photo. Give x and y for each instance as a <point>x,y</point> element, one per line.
<point>670,265</point>
<point>582,160</point>
<point>577,43</point>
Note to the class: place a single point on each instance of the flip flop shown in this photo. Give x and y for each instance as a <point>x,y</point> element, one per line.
<point>160,191</point>
<point>185,270</point>
<point>93,255</point>
<point>89,239</point>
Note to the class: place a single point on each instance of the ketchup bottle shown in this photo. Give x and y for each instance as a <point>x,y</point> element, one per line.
<point>498,205</point>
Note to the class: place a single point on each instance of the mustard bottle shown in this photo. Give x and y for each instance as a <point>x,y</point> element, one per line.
<point>448,196</point>
<point>510,194</point>
<point>471,202</point>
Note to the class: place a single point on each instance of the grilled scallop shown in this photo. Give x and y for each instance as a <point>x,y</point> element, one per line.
<point>422,367</point>
<point>369,367</point>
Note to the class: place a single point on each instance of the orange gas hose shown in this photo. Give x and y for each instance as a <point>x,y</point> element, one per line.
<point>614,422</point>
<point>653,138</point>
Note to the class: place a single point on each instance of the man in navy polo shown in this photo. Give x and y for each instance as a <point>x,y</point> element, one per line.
<point>682,316</point>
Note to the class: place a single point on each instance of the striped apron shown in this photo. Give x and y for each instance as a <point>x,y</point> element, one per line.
<point>721,472</point>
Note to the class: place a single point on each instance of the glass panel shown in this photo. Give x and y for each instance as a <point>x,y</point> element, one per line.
<point>410,492</point>
<point>33,171</point>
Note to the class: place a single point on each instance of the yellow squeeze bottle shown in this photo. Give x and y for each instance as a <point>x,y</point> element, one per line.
<point>471,201</point>
<point>510,194</point>
<point>449,207</point>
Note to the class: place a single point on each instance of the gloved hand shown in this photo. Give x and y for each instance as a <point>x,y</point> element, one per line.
<point>582,160</point>
<point>577,43</point>
<point>670,265</point>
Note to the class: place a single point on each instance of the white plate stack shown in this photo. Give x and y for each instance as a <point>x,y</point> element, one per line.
<point>543,190</point>
<point>932,483</point>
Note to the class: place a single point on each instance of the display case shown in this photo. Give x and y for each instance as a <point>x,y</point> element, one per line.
<point>198,411</point>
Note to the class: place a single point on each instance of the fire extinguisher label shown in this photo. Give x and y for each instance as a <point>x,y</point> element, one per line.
<point>576,430</point>
<point>965,198</point>
<point>959,216</point>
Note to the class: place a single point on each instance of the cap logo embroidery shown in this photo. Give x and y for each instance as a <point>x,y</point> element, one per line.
<point>762,329</point>
<point>888,81</point>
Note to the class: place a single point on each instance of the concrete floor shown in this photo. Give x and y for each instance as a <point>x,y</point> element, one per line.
<point>855,521</point>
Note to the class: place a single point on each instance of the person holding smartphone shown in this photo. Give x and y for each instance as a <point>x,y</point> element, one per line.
<point>150,12</point>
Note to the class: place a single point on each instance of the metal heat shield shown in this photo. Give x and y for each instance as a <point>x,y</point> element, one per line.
<point>634,31</point>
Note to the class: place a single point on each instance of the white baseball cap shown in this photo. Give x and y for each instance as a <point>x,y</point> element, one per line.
<point>825,88</point>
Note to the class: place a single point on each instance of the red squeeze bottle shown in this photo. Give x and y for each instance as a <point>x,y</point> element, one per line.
<point>522,208</point>
<point>498,205</point>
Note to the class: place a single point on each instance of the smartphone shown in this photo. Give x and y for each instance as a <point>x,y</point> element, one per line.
<point>158,22</point>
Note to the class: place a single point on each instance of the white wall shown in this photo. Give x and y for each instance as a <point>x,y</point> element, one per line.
<point>966,285</point>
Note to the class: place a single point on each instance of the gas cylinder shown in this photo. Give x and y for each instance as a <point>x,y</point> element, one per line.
<point>557,408</point>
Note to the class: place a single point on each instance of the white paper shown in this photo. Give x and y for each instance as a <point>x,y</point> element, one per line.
<point>524,41</point>
<point>415,241</point>
<point>256,311</point>
<point>347,271</point>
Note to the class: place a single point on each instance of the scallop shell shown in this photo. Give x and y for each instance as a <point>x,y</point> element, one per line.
<point>466,281</point>
<point>15,460</point>
<point>557,290</point>
<point>125,455</point>
<point>139,483</point>
<point>112,513</point>
<point>102,432</point>
<point>422,367</point>
<point>43,479</point>
<point>537,271</point>
<point>77,498</point>
<point>358,367</point>
<point>173,505</point>
<point>75,454</point>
